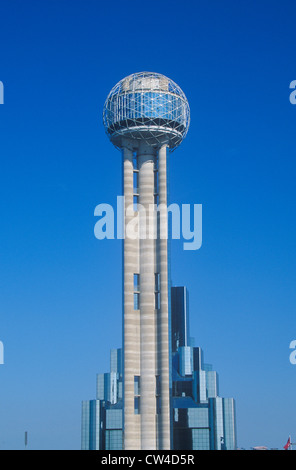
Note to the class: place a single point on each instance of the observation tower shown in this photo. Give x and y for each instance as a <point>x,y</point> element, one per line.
<point>146,116</point>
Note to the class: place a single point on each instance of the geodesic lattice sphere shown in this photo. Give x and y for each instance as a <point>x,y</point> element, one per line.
<point>147,106</point>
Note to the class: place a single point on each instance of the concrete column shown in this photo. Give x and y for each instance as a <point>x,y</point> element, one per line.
<point>147,302</point>
<point>146,331</point>
<point>130,315</point>
<point>163,314</point>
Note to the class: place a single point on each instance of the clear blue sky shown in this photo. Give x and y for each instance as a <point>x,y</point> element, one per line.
<point>60,288</point>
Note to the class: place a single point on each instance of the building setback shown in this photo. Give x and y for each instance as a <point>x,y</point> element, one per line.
<point>200,418</point>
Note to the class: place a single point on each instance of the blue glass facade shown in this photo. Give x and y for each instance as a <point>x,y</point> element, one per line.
<point>200,418</point>
<point>135,106</point>
<point>90,425</point>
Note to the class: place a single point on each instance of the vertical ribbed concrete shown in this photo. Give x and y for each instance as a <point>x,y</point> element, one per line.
<point>130,316</point>
<point>163,314</point>
<point>147,301</point>
<point>146,331</point>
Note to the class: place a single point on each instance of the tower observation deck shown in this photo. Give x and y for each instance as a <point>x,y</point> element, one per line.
<point>147,107</point>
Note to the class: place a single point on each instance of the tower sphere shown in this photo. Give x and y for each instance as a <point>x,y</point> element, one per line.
<point>149,107</point>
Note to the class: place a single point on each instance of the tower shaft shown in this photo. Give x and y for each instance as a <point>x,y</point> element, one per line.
<point>146,301</point>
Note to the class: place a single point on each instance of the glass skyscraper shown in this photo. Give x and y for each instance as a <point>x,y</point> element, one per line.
<point>200,418</point>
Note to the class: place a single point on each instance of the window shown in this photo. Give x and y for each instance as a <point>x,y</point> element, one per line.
<point>136,301</point>
<point>135,202</point>
<point>158,405</point>
<point>157,394</point>
<point>136,282</point>
<point>137,388</point>
<point>137,405</point>
<point>157,290</point>
<point>157,385</point>
<point>135,161</point>
<point>137,391</point>
<point>136,181</point>
<point>157,300</point>
<point>157,282</point>
<point>156,181</point>
<point>136,291</point>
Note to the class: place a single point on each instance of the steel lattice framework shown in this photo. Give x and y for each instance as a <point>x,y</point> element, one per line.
<point>147,106</point>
